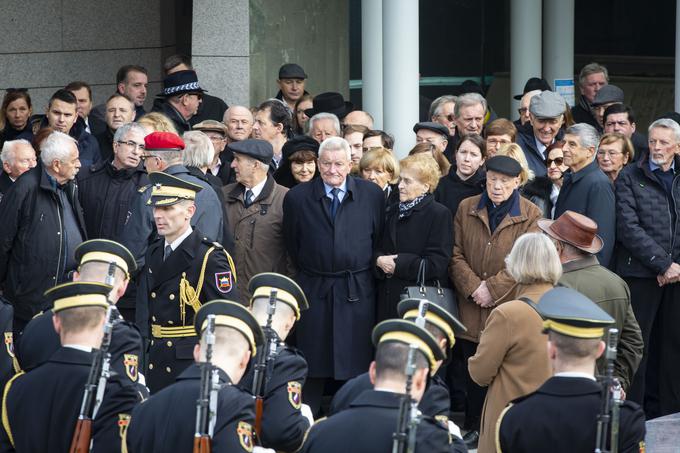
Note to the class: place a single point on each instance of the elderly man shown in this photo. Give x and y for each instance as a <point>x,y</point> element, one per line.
<point>621,118</point>
<point>441,112</point>
<point>273,123</point>
<point>649,260</point>
<point>255,210</point>
<point>42,224</point>
<point>591,79</point>
<point>239,121</point>
<point>577,242</point>
<point>324,125</point>
<point>18,156</point>
<point>132,82</point>
<point>221,160</point>
<point>332,226</point>
<point>586,189</point>
<point>182,95</point>
<point>433,133</point>
<point>358,118</point>
<point>291,84</point>
<point>546,116</point>
<point>606,97</point>
<point>119,110</point>
<point>469,113</point>
<point>524,103</point>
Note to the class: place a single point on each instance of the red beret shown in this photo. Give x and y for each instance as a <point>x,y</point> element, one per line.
<point>158,141</point>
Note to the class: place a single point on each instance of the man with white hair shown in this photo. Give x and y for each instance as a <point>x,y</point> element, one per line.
<point>586,189</point>
<point>648,259</point>
<point>468,113</point>
<point>331,226</point>
<point>18,156</point>
<point>324,125</point>
<point>41,228</point>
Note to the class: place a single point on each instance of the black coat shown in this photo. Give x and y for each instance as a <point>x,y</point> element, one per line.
<point>166,421</point>
<point>367,426</point>
<point>211,108</point>
<point>590,192</point>
<point>106,195</point>
<point>647,237</point>
<point>527,141</point>
<point>451,190</point>
<point>226,173</point>
<point>582,114</point>
<point>160,301</point>
<point>538,192</point>
<point>42,407</point>
<point>334,262</point>
<point>5,183</point>
<point>283,425</point>
<point>9,133</point>
<point>425,233</point>
<point>32,249</point>
<point>561,416</point>
<point>227,237</point>
<point>7,355</point>
<point>105,141</point>
<point>164,107</point>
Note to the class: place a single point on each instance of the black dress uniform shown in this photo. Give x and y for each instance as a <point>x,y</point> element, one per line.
<point>8,362</point>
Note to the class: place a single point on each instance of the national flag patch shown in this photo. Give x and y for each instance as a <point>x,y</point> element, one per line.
<point>224,281</point>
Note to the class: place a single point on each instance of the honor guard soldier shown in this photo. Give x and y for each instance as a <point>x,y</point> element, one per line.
<point>41,407</point>
<point>183,270</point>
<point>101,261</point>
<point>370,422</point>
<point>166,422</point>
<point>562,415</point>
<point>277,384</point>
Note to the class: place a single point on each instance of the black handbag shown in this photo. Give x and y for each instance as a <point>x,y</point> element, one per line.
<point>444,297</point>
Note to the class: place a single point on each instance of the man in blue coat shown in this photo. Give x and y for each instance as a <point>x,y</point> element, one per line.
<point>331,227</point>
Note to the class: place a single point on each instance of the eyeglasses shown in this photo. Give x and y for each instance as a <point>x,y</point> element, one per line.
<point>132,144</point>
<point>448,117</point>
<point>522,111</point>
<point>147,156</point>
<point>558,162</point>
<point>198,95</point>
<point>604,152</point>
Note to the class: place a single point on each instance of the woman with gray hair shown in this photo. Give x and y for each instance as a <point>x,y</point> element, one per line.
<point>511,357</point>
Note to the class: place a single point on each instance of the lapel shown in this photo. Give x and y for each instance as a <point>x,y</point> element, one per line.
<point>178,261</point>
<point>319,192</point>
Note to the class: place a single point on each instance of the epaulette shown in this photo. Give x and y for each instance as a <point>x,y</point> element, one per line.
<point>212,243</point>
<point>143,188</point>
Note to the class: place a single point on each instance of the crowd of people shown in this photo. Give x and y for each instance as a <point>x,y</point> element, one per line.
<point>197,211</point>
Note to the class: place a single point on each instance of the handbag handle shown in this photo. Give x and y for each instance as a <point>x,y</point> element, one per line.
<point>421,276</point>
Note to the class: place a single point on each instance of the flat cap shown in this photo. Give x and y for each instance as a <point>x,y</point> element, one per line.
<point>234,315</point>
<point>291,71</point>
<point>299,143</point>
<point>533,84</point>
<point>408,333</point>
<point>432,126</point>
<point>566,311</point>
<point>608,94</point>
<point>287,291</point>
<point>547,104</point>
<point>168,189</point>
<point>504,165</point>
<point>163,141</point>
<point>106,251</point>
<point>210,126</point>
<point>78,294</point>
<point>257,149</point>
<point>438,313</point>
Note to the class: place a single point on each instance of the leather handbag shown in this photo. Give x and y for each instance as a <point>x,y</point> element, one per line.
<point>444,297</point>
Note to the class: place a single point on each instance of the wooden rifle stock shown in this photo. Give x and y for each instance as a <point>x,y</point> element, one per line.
<point>82,436</point>
<point>258,415</point>
<point>202,444</point>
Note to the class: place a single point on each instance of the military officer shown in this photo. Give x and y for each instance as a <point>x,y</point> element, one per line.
<point>368,424</point>
<point>183,270</point>
<point>537,422</point>
<point>8,362</point>
<point>102,261</point>
<point>166,421</point>
<point>41,407</point>
<point>280,423</point>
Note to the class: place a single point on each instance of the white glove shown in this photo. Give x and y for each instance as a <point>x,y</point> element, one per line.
<point>454,430</point>
<point>307,413</point>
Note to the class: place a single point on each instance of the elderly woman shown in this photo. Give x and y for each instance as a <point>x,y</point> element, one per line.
<point>298,161</point>
<point>511,357</point>
<point>15,114</point>
<point>487,227</point>
<point>466,178</point>
<point>157,122</point>
<point>544,190</point>
<point>497,133</point>
<point>418,230</point>
<point>379,166</point>
<point>614,153</point>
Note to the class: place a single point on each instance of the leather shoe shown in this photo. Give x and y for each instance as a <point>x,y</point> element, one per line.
<point>471,439</point>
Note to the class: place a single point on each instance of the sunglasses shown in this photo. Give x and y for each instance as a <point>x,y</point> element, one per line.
<point>558,161</point>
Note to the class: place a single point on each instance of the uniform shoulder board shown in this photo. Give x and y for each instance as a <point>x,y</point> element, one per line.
<point>143,188</point>
<point>212,243</point>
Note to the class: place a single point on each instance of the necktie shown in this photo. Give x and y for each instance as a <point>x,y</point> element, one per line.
<point>249,198</point>
<point>166,252</point>
<point>335,203</point>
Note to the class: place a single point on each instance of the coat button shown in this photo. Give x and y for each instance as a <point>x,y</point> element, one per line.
<point>170,322</point>
<point>153,318</point>
<point>488,243</point>
<point>484,274</point>
<point>58,233</point>
<point>167,368</point>
<point>169,344</point>
<point>171,297</point>
<point>153,295</point>
<point>151,366</point>
<point>151,342</point>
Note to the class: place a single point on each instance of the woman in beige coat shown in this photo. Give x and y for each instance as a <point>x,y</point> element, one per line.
<point>512,357</point>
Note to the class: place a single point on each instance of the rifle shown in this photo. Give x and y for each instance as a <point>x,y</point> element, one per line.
<point>100,371</point>
<point>262,361</point>
<point>206,404</point>
<point>423,307</point>
<point>611,400</point>
<point>403,440</point>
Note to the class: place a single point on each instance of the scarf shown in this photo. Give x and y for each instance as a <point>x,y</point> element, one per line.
<point>498,212</point>
<point>405,207</point>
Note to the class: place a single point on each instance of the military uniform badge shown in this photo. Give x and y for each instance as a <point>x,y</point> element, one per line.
<point>123,423</point>
<point>9,343</point>
<point>131,363</point>
<point>224,281</point>
<point>245,435</point>
<point>295,394</point>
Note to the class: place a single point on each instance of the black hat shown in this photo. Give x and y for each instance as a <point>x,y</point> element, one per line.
<point>106,251</point>
<point>470,86</point>
<point>436,314</point>
<point>504,165</point>
<point>408,333</point>
<point>181,82</point>
<point>78,294</point>
<point>533,84</point>
<point>287,291</point>
<point>675,116</point>
<point>570,313</point>
<point>257,149</point>
<point>330,103</point>
<point>608,94</point>
<point>291,71</point>
<point>432,126</point>
<point>168,189</point>
<point>234,315</point>
<point>299,143</point>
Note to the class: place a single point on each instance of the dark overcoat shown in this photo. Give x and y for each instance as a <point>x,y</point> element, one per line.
<point>334,260</point>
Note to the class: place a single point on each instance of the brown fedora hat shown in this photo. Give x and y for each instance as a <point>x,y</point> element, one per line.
<point>574,229</point>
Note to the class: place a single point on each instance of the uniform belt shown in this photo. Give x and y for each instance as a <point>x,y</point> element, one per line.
<point>172,332</point>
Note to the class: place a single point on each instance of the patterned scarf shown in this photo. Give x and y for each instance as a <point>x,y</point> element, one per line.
<point>406,206</point>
